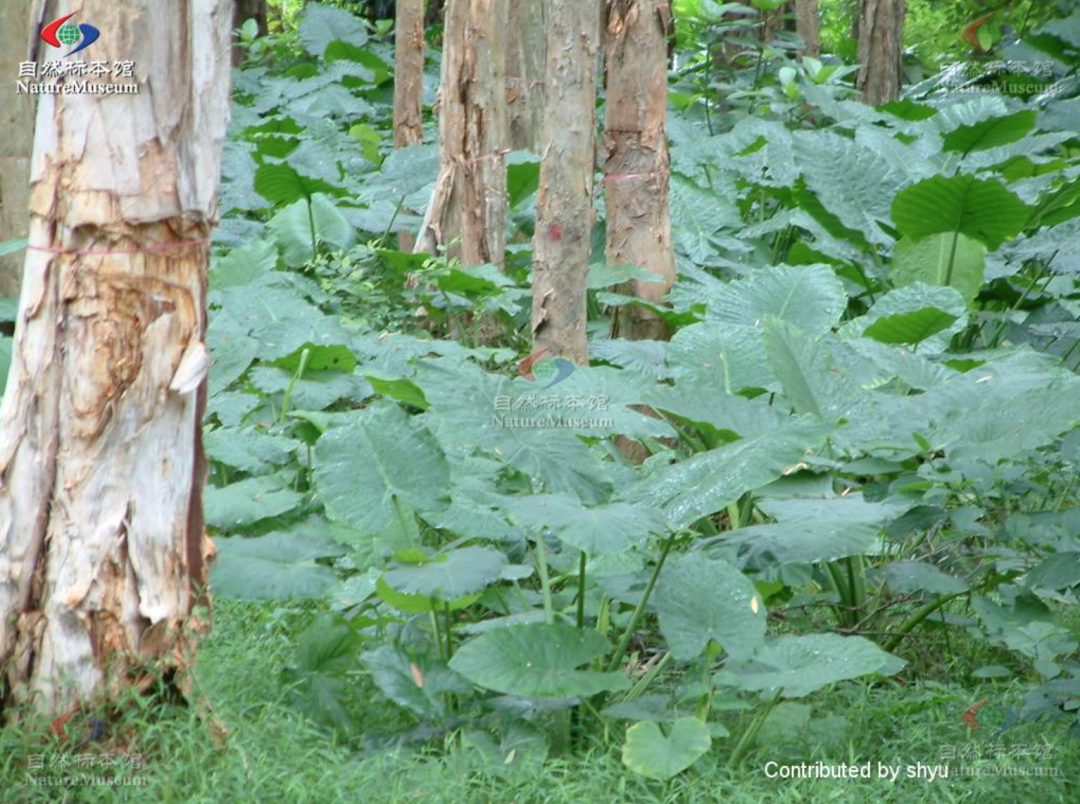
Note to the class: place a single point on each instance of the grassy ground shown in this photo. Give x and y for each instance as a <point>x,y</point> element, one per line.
<point>272,754</point>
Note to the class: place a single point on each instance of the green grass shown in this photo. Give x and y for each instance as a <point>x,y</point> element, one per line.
<point>273,754</point>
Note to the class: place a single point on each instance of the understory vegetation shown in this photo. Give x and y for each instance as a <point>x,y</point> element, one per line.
<point>834,518</point>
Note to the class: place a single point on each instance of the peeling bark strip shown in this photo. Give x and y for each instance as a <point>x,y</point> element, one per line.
<point>526,60</point>
<point>808,26</point>
<point>102,545</point>
<point>469,200</point>
<point>881,50</point>
<point>564,200</point>
<point>637,166</point>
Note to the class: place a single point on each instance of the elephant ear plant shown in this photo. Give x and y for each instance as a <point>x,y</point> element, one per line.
<point>861,437</point>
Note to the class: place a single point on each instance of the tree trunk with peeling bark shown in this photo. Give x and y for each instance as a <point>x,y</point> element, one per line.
<point>17,125</point>
<point>808,25</point>
<point>408,83</point>
<point>881,50</point>
<point>637,169</point>
<point>526,60</point>
<point>103,550</point>
<point>469,200</point>
<point>564,200</point>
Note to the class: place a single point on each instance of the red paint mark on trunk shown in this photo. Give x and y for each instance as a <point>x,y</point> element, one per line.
<point>555,232</point>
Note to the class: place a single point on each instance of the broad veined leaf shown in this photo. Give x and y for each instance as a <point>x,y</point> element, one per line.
<point>449,576</point>
<point>301,226</point>
<point>990,133</point>
<point>644,357</point>
<point>419,604</point>
<point>248,450</point>
<point>731,355</point>
<point>602,275</point>
<point>602,530</point>
<point>651,753</point>
<point>323,24</point>
<point>415,684</point>
<point>327,650</point>
<point>852,182</point>
<point>948,259</point>
<point>248,501</point>
<point>282,184</point>
<point>909,314</point>
<point>1058,571</point>
<point>698,599</point>
<point>918,576</point>
<point>809,296</point>
<point>800,665</point>
<point>471,408</point>
<point>273,567</point>
<point>243,265</point>
<point>814,378</point>
<point>537,660</point>
<point>696,215</point>
<point>811,541</point>
<point>382,455</point>
<point>703,401</point>
<point>911,327</point>
<point>982,209</point>
<point>709,481</point>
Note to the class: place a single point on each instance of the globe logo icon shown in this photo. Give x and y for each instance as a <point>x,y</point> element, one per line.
<point>69,34</point>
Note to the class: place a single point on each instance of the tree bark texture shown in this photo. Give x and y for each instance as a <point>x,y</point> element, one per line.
<point>526,61</point>
<point>103,550</point>
<point>17,124</point>
<point>408,84</point>
<point>808,25</point>
<point>637,168</point>
<point>881,50</point>
<point>469,200</point>
<point>564,200</point>
<point>409,73</point>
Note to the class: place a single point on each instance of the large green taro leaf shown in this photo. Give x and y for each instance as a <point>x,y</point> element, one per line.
<point>801,665</point>
<point>382,455</point>
<point>699,599</point>
<point>537,660</point>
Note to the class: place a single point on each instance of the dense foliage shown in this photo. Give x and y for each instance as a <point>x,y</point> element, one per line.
<point>863,430</point>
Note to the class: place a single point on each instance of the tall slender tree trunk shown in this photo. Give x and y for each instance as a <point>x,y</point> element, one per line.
<point>102,545</point>
<point>808,25</point>
<point>637,170</point>
<point>881,50</point>
<point>564,200</point>
<point>408,84</point>
<point>526,61</point>
<point>17,124</point>
<point>469,201</point>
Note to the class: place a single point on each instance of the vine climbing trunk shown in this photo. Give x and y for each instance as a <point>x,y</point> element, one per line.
<point>103,552</point>
<point>808,26</point>
<point>881,50</point>
<point>637,169</point>
<point>526,60</point>
<point>469,200</point>
<point>17,125</point>
<point>408,83</point>
<point>564,200</point>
